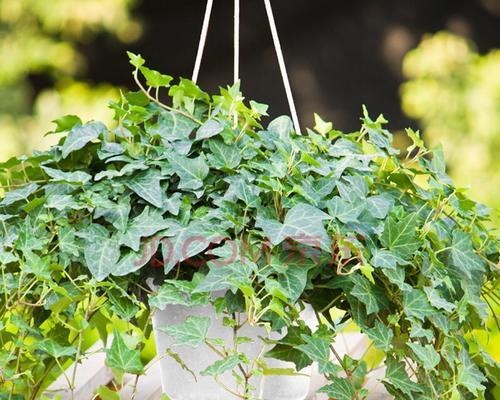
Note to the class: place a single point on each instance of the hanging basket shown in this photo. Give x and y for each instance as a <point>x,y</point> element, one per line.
<point>184,381</point>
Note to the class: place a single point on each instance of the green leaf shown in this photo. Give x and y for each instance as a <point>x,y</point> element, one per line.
<point>54,349</point>
<point>101,257</point>
<point>122,358</point>
<point>462,254</point>
<point>135,59</point>
<point>147,186</point>
<point>317,348</point>
<point>107,394</point>
<point>192,332</point>
<point>381,336</point>
<point>223,155</point>
<point>386,259</point>
<point>81,135</point>
<point>294,280</point>
<point>379,206</point>
<point>371,295</point>
<point>66,123</point>
<point>401,237</point>
<point>19,194</point>
<point>437,301</point>
<point>173,126</point>
<point>397,377</point>
<point>155,79</point>
<point>221,366</point>
<point>122,306</point>
<point>416,305</point>
<point>469,376</point>
<point>427,355</point>
<point>168,294</point>
<point>61,202</point>
<point>286,349</point>
<point>339,389</point>
<point>78,177</point>
<point>321,126</point>
<point>146,224</point>
<point>281,126</point>
<point>208,129</point>
<point>345,211</point>
<point>184,242</point>
<point>232,276</point>
<point>191,171</point>
<point>303,223</point>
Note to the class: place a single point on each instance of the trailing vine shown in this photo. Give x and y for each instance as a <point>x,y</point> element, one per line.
<point>182,194</point>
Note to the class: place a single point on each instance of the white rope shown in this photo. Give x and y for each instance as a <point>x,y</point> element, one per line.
<point>236,41</point>
<point>281,62</point>
<point>203,39</point>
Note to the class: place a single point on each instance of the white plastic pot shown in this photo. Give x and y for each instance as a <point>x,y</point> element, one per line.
<point>180,384</point>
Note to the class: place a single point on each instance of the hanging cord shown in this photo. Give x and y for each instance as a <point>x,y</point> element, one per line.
<point>281,62</point>
<point>203,39</point>
<point>236,63</point>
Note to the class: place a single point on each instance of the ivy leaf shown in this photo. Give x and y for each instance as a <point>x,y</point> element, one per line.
<point>230,277</point>
<point>77,177</point>
<point>146,224</point>
<point>54,349</point>
<point>136,60</point>
<point>208,129</point>
<point>286,348</point>
<point>345,211</point>
<point>303,223</point>
<point>120,357</point>
<point>167,294</point>
<point>281,126</point>
<point>173,126</point>
<point>80,135</point>
<point>322,127</point>
<point>191,171</point>
<point>186,241</point>
<point>244,191</point>
<point>385,259</point>
<point>154,78</point>
<point>147,186</point>
<point>427,355</point>
<point>397,377</point>
<point>317,348</point>
<point>339,389</point>
<point>192,332</point>
<point>123,306</point>
<point>379,206</point>
<point>462,254</point>
<point>381,336</point>
<point>369,294</point>
<point>101,257</point>
<point>19,194</point>
<point>61,202</point>
<point>221,366</point>
<point>293,280</point>
<point>416,305</point>
<point>401,237</point>
<point>66,122</point>
<point>437,301</point>
<point>223,155</point>
<point>469,376</point>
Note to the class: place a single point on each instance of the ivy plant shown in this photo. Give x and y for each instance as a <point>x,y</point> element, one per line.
<point>190,191</point>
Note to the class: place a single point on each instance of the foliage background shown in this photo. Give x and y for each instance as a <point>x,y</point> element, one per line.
<point>67,56</point>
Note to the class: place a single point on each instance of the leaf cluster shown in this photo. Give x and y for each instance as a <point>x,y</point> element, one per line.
<point>199,196</point>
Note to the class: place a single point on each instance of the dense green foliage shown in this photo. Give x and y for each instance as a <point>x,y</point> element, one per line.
<point>199,187</point>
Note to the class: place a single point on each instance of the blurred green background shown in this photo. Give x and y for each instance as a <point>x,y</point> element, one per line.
<point>428,64</point>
